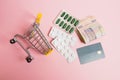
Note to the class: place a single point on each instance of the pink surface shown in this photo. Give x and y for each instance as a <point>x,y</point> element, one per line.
<point>17,15</point>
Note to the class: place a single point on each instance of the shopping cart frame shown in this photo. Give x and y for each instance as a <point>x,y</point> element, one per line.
<point>35,26</point>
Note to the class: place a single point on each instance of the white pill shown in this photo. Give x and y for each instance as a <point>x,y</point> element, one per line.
<point>70,59</point>
<point>66,55</point>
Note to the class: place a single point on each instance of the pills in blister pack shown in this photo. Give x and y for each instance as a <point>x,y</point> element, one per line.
<point>64,49</point>
<point>69,39</point>
<point>62,42</point>
<point>66,21</point>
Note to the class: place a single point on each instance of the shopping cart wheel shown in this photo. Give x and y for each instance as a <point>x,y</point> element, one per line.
<point>28,59</point>
<point>12,41</point>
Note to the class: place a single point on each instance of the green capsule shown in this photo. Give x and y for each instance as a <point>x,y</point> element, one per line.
<point>68,27</point>
<point>71,30</point>
<point>69,19</point>
<point>76,23</point>
<point>66,16</point>
<point>62,14</point>
<point>73,20</point>
<point>62,22</point>
<point>64,26</point>
<point>58,20</point>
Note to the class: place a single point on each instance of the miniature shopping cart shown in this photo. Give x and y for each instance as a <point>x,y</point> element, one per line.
<point>35,39</point>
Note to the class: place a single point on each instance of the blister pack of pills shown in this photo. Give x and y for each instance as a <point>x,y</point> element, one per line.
<point>64,49</point>
<point>66,21</point>
<point>62,43</point>
<point>69,39</point>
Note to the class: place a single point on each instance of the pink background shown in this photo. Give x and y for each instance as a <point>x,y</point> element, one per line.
<point>17,15</point>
